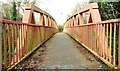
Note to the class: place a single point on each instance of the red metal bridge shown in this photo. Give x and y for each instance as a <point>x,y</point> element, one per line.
<point>19,39</point>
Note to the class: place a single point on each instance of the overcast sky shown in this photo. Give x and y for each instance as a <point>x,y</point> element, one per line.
<point>59,9</point>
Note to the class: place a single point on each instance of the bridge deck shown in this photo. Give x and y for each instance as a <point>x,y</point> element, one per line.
<point>62,53</point>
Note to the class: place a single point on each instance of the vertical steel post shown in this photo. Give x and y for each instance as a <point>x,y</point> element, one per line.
<point>80,19</point>
<point>119,48</point>
<point>1,41</point>
<point>0,46</point>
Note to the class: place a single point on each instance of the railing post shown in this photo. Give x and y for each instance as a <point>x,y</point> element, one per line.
<point>119,48</point>
<point>74,20</point>
<point>41,19</point>
<point>80,19</point>
<point>0,46</point>
<point>71,22</point>
<point>47,21</point>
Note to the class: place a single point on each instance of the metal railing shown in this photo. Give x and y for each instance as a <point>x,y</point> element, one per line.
<point>102,38</point>
<point>18,39</point>
<point>21,39</point>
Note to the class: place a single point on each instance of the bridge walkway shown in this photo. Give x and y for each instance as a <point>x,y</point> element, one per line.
<point>65,53</point>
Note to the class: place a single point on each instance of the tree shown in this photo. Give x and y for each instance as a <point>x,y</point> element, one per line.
<point>14,11</point>
<point>77,8</point>
<point>6,11</point>
<point>9,11</point>
<point>108,10</point>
